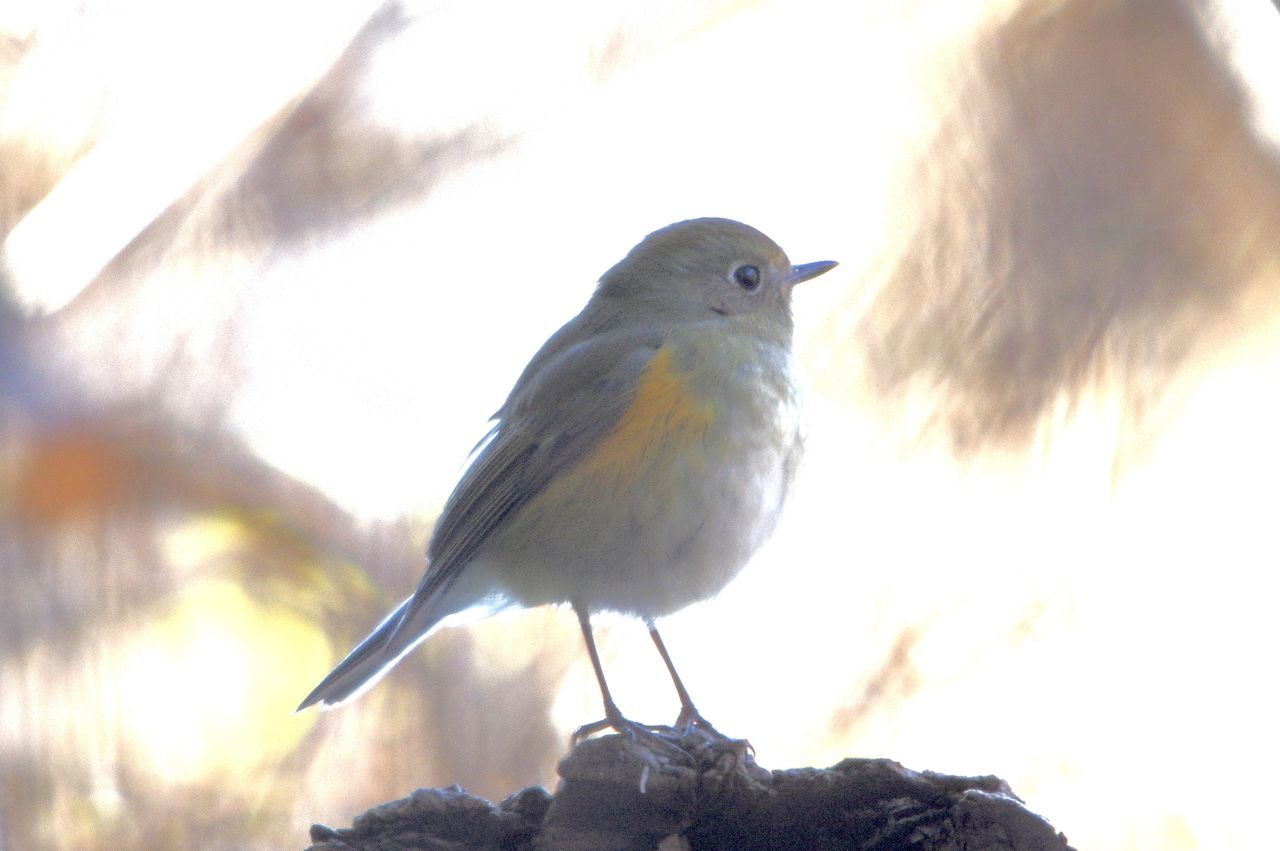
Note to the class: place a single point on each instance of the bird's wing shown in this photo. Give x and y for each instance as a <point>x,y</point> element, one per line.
<point>551,420</point>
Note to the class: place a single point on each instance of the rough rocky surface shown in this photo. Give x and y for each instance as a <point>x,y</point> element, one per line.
<point>618,795</point>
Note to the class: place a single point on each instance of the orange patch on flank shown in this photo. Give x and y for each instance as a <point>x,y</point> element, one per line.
<point>664,412</point>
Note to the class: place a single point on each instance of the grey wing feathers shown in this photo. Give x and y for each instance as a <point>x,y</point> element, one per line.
<point>553,416</point>
<point>496,484</point>
<point>550,420</point>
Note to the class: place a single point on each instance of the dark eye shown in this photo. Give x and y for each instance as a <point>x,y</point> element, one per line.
<point>748,277</point>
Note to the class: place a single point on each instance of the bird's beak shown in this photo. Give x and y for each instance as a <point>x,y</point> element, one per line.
<point>805,271</point>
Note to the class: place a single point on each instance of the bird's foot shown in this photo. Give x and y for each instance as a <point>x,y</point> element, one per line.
<point>690,720</point>
<point>708,742</point>
<point>656,738</point>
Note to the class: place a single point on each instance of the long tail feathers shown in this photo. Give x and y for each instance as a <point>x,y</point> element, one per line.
<point>365,665</point>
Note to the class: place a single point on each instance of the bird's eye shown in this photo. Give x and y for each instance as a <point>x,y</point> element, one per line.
<point>747,277</point>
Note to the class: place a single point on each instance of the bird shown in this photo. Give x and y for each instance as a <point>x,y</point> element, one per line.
<point>641,458</point>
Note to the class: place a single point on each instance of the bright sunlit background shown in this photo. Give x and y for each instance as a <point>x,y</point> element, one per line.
<point>269,266</point>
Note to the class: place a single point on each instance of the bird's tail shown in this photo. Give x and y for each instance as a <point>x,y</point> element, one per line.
<point>365,665</point>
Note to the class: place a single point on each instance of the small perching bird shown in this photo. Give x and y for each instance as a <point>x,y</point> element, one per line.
<point>640,460</point>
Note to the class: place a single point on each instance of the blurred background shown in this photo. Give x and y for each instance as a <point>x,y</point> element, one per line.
<point>268,267</point>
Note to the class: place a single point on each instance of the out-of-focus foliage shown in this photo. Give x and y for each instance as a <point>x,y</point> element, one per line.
<point>1096,206</point>
<point>267,267</point>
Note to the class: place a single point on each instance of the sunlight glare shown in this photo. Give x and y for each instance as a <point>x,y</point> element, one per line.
<point>208,689</point>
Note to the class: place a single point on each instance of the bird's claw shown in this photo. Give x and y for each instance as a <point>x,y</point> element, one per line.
<point>659,737</point>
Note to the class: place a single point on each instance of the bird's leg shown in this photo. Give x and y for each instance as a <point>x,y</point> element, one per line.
<point>613,718</point>
<point>689,717</point>
<point>716,744</point>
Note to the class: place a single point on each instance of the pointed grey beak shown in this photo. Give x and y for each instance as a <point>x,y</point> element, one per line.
<point>805,271</point>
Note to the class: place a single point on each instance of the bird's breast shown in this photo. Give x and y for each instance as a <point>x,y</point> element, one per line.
<point>675,498</point>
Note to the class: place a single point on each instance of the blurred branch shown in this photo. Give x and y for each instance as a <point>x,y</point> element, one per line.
<point>615,795</point>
